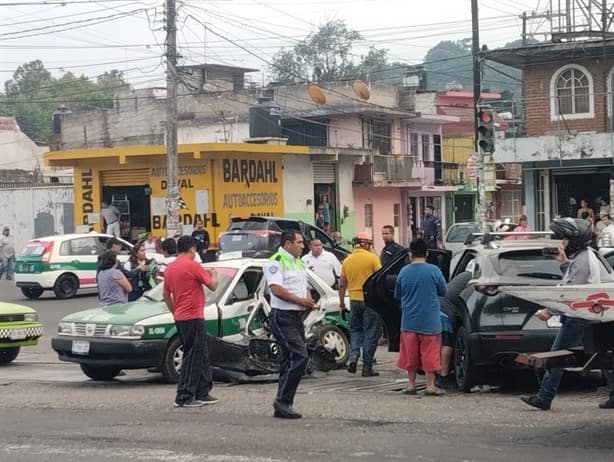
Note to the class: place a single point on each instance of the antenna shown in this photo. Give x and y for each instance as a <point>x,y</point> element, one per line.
<point>316,94</point>
<point>361,90</point>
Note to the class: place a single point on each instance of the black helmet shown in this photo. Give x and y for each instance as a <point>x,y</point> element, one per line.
<point>579,233</point>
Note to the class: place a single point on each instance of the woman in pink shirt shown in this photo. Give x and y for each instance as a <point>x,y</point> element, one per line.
<point>523,226</point>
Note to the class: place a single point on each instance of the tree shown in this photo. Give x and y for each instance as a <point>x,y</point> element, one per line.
<point>28,78</point>
<point>33,94</point>
<point>324,55</point>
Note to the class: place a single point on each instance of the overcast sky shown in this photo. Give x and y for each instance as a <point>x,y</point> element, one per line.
<point>407,28</point>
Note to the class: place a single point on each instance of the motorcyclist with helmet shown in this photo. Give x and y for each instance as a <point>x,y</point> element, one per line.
<point>578,266</point>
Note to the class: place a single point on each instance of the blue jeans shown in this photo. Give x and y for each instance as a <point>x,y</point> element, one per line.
<point>571,334</point>
<point>195,380</point>
<point>289,331</point>
<point>364,327</point>
<point>7,266</point>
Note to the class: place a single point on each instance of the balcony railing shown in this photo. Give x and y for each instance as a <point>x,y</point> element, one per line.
<point>387,170</point>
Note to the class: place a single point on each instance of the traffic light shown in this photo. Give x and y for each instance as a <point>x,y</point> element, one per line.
<point>486,130</point>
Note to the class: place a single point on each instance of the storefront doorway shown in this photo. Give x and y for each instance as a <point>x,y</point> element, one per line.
<point>569,190</point>
<point>133,204</point>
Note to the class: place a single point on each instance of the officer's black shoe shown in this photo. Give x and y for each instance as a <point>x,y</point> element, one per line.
<point>352,368</point>
<point>368,372</point>
<point>285,411</point>
<point>535,402</point>
<point>609,404</point>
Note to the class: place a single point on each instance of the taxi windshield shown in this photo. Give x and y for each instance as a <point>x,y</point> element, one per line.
<point>224,276</point>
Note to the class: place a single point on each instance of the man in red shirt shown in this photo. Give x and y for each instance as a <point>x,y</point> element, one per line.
<point>185,298</point>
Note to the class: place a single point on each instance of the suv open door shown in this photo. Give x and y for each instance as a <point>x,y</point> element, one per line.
<point>379,290</point>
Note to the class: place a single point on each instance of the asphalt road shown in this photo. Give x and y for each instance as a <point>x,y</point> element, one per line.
<point>50,411</point>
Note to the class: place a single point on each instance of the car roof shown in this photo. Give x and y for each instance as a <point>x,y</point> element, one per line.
<point>262,218</point>
<point>237,263</point>
<point>72,236</point>
<point>501,246</point>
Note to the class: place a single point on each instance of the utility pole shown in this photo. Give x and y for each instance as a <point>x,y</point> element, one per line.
<point>477,90</point>
<point>173,222</point>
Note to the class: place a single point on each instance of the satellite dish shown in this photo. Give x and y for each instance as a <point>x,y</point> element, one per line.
<point>316,94</point>
<point>361,90</point>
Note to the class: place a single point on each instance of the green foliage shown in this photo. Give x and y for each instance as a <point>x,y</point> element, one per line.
<point>33,94</point>
<point>325,55</point>
<point>451,61</point>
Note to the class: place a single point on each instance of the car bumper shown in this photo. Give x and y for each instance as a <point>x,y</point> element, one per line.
<point>496,348</point>
<point>45,280</point>
<point>127,354</point>
<point>20,334</point>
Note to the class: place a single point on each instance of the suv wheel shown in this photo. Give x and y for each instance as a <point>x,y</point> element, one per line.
<point>31,292</point>
<point>66,286</point>
<point>171,363</point>
<point>467,374</point>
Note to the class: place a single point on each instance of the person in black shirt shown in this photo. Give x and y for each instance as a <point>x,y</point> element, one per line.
<point>201,236</point>
<point>391,248</point>
<point>431,228</point>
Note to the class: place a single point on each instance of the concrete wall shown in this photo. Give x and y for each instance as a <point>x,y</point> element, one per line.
<point>21,207</point>
<point>555,147</point>
<point>345,131</point>
<point>382,200</point>
<point>298,188</point>
<point>346,198</point>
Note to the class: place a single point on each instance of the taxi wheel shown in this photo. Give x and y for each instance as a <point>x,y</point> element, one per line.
<point>101,373</point>
<point>334,339</point>
<point>32,293</point>
<point>66,286</point>
<point>8,354</point>
<point>171,363</point>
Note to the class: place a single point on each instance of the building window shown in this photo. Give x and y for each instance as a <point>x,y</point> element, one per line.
<point>511,204</point>
<point>368,215</point>
<point>377,134</point>
<point>396,215</point>
<point>413,145</point>
<point>571,91</point>
<point>426,148</point>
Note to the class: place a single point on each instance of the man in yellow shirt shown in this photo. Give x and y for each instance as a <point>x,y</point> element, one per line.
<point>364,322</point>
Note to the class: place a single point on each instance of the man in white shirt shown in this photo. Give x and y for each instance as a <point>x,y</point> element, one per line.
<point>606,237</point>
<point>323,263</point>
<point>110,216</point>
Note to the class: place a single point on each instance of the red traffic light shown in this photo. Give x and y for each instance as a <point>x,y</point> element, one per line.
<point>485,117</point>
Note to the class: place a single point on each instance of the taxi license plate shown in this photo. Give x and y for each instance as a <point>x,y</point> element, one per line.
<point>554,321</point>
<point>17,334</point>
<point>80,347</point>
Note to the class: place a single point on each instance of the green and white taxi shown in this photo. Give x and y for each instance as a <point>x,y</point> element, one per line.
<point>142,334</point>
<point>64,264</point>
<point>19,327</point>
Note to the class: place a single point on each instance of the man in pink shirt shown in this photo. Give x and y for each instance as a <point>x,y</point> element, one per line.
<point>185,298</point>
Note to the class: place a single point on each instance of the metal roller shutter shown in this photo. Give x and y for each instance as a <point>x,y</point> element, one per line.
<point>324,172</point>
<point>125,177</point>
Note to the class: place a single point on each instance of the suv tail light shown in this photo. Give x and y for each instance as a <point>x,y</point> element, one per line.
<point>47,252</point>
<point>487,290</point>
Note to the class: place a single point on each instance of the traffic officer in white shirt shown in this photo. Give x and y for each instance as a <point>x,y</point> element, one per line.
<point>290,297</point>
<point>323,263</point>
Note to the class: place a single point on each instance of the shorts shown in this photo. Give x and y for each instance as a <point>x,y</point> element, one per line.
<point>419,352</point>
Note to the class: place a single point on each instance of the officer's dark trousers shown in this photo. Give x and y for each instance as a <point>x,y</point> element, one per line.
<point>195,380</point>
<point>288,329</point>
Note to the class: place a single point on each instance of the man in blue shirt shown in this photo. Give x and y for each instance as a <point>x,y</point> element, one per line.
<point>418,288</point>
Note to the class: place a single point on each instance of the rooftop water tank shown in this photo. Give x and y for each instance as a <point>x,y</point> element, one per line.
<point>265,119</point>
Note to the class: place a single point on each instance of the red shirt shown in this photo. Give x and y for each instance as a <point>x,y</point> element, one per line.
<point>184,279</point>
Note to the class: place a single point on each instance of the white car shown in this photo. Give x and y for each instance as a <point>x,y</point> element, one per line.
<point>64,263</point>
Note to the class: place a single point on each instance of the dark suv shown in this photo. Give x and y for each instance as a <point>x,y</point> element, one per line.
<point>490,328</point>
<point>257,236</point>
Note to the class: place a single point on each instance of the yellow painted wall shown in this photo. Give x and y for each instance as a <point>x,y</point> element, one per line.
<point>213,188</point>
<point>458,149</point>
